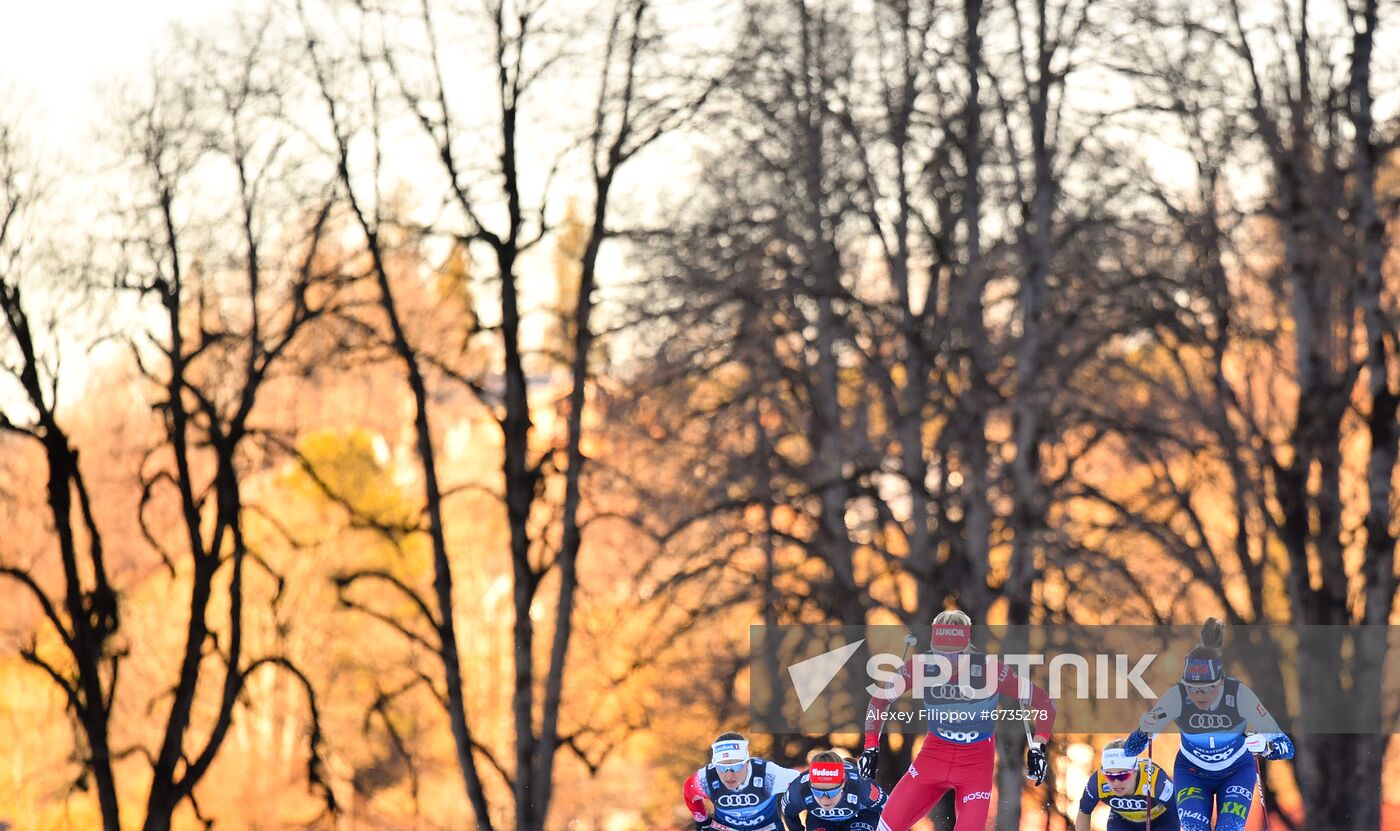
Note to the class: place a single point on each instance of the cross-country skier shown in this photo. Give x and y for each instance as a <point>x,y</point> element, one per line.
<point>958,753</point>
<point>1131,787</point>
<point>834,797</point>
<point>1222,723</point>
<point>745,792</point>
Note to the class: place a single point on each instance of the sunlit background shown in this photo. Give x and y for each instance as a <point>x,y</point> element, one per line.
<point>388,343</point>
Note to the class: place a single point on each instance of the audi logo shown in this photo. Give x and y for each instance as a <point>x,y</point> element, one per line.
<point>947,693</point>
<point>1127,803</point>
<point>1210,721</point>
<point>738,800</point>
<point>831,813</point>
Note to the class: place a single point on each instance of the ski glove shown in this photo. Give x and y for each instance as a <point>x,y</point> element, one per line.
<point>1036,762</point>
<point>1270,747</point>
<point>868,762</point>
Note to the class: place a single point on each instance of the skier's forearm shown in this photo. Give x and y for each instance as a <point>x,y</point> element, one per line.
<point>695,798</point>
<point>1135,743</point>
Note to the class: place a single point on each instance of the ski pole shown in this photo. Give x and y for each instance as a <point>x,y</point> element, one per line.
<point>909,641</point>
<point>1030,740</point>
<point>1150,770</point>
<point>1263,803</point>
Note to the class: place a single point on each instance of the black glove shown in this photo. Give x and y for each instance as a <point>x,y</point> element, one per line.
<point>868,762</point>
<point>1036,763</point>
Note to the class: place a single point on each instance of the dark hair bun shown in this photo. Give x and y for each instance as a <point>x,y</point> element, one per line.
<point>1212,633</point>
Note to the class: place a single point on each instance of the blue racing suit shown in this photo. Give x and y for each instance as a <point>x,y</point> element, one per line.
<point>1214,770</point>
<point>859,808</point>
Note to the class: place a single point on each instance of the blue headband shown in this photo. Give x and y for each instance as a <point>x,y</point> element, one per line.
<point>1202,671</point>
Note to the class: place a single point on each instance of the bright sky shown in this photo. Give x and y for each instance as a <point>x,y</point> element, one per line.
<point>56,54</point>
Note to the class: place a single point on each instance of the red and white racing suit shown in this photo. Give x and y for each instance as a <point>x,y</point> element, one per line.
<point>958,752</point>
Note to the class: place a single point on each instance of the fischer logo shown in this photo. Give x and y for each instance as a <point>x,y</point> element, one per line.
<point>737,800</point>
<point>977,795</point>
<point>1210,721</point>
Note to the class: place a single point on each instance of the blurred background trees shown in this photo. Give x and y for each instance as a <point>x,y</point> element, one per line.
<point>406,415</point>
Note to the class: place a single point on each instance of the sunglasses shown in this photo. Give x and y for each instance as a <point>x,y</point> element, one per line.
<point>1121,776</point>
<point>1201,688</point>
<point>730,768</point>
<point>827,793</point>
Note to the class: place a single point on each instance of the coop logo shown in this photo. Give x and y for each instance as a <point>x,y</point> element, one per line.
<point>1210,755</point>
<point>738,800</point>
<point>1210,721</point>
<point>752,822</point>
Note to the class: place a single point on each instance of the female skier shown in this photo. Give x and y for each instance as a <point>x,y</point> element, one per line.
<point>1134,790</point>
<point>1222,723</point>
<point>958,753</point>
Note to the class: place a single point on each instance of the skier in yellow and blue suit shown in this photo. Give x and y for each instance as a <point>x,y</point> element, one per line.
<point>1131,788</point>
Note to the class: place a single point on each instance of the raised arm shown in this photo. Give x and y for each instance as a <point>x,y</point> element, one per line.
<point>879,704</point>
<point>1010,684</point>
<point>1167,709</point>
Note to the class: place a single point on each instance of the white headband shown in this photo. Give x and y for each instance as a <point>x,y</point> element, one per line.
<point>1116,759</point>
<point>729,752</point>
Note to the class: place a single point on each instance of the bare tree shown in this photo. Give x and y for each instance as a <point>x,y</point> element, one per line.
<point>1265,383</point>
<point>221,330</point>
<point>85,613</point>
<point>633,106</point>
